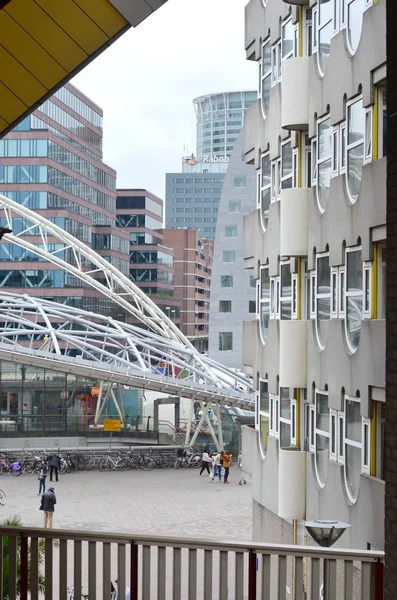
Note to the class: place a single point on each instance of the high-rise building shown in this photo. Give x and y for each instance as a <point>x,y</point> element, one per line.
<point>220,118</point>
<point>139,213</point>
<point>232,286</point>
<point>52,163</point>
<point>316,247</point>
<point>192,196</point>
<point>192,277</point>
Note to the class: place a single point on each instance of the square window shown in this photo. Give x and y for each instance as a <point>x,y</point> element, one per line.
<point>229,256</point>
<point>225,341</point>
<point>226,281</point>
<point>231,231</point>
<point>225,306</point>
<point>240,181</point>
<point>234,206</point>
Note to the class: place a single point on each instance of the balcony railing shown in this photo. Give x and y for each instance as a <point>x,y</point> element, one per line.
<point>178,568</point>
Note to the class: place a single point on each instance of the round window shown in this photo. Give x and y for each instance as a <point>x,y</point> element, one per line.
<point>325,32</point>
<point>355,11</point>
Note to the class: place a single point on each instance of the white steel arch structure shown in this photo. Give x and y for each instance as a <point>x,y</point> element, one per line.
<point>81,261</point>
<point>44,333</point>
<point>66,339</point>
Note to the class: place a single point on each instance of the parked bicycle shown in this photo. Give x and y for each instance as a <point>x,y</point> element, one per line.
<point>3,498</point>
<point>187,459</point>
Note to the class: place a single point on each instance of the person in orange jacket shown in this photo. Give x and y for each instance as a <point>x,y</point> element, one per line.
<point>227,459</point>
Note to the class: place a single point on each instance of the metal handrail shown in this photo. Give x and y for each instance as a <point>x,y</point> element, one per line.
<point>198,543</point>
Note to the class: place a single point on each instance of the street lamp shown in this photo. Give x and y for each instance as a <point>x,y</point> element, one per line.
<point>326,533</point>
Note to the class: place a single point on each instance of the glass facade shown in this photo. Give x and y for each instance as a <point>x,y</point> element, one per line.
<point>66,120</point>
<point>80,107</point>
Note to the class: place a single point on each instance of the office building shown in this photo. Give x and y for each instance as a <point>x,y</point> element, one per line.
<point>139,214</point>
<point>192,196</point>
<point>192,278</point>
<point>52,163</point>
<point>316,247</point>
<point>219,120</point>
<point>232,286</point>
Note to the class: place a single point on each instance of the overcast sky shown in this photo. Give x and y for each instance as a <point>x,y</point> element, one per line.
<point>146,82</point>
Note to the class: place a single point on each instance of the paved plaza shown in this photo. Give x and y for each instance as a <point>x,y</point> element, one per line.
<point>170,502</point>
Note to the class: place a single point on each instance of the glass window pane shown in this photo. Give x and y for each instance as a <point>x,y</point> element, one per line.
<point>264,396</point>
<point>354,271</point>
<point>322,445</point>
<point>322,412</point>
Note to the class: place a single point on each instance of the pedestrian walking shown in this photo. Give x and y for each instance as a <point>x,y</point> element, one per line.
<point>227,459</point>
<point>240,466</point>
<point>48,501</point>
<point>55,465</point>
<point>218,466</point>
<point>206,461</point>
<point>42,476</point>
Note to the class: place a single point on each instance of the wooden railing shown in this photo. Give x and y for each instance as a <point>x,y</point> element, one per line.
<point>37,563</point>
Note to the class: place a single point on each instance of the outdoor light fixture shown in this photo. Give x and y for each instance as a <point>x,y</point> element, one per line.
<point>4,230</point>
<point>326,533</point>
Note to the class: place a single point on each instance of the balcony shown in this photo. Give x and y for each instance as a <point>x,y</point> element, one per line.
<point>295,94</point>
<point>165,567</point>
<point>297,2</point>
<point>293,221</point>
<point>293,353</point>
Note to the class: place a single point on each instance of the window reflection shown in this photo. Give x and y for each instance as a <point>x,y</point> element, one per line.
<point>323,299</point>
<point>355,147</point>
<point>355,10</point>
<point>354,297</point>
<point>324,162</point>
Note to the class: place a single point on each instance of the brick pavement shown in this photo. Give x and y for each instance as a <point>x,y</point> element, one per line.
<point>170,502</point>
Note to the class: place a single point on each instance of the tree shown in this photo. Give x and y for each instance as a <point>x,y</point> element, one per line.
<point>16,521</point>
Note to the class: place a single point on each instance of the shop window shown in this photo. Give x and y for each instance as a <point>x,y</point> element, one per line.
<point>264,303</point>
<point>323,299</point>
<point>265,67</point>
<point>355,147</point>
<point>265,189</point>
<point>354,297</point>
<point>322,435</point>
<point>324,162</point>
<point>264,414</point>
<point>353,447</point>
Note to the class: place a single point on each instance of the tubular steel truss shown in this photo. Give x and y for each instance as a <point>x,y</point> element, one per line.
<point>80,261</point>
<point>62,338</point>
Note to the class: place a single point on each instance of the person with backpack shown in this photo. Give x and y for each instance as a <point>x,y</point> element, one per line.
<point>55,465</point>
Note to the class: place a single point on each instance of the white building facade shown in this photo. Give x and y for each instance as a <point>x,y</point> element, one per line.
<point>316,247</point>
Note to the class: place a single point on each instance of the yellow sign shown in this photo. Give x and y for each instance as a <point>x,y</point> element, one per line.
<point>111,425</point>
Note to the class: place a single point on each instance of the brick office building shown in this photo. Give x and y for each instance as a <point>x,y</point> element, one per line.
<point>192,276</point>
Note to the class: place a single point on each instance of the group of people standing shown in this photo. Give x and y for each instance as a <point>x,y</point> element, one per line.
<point>214,465</point>
<point>48,498</point>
